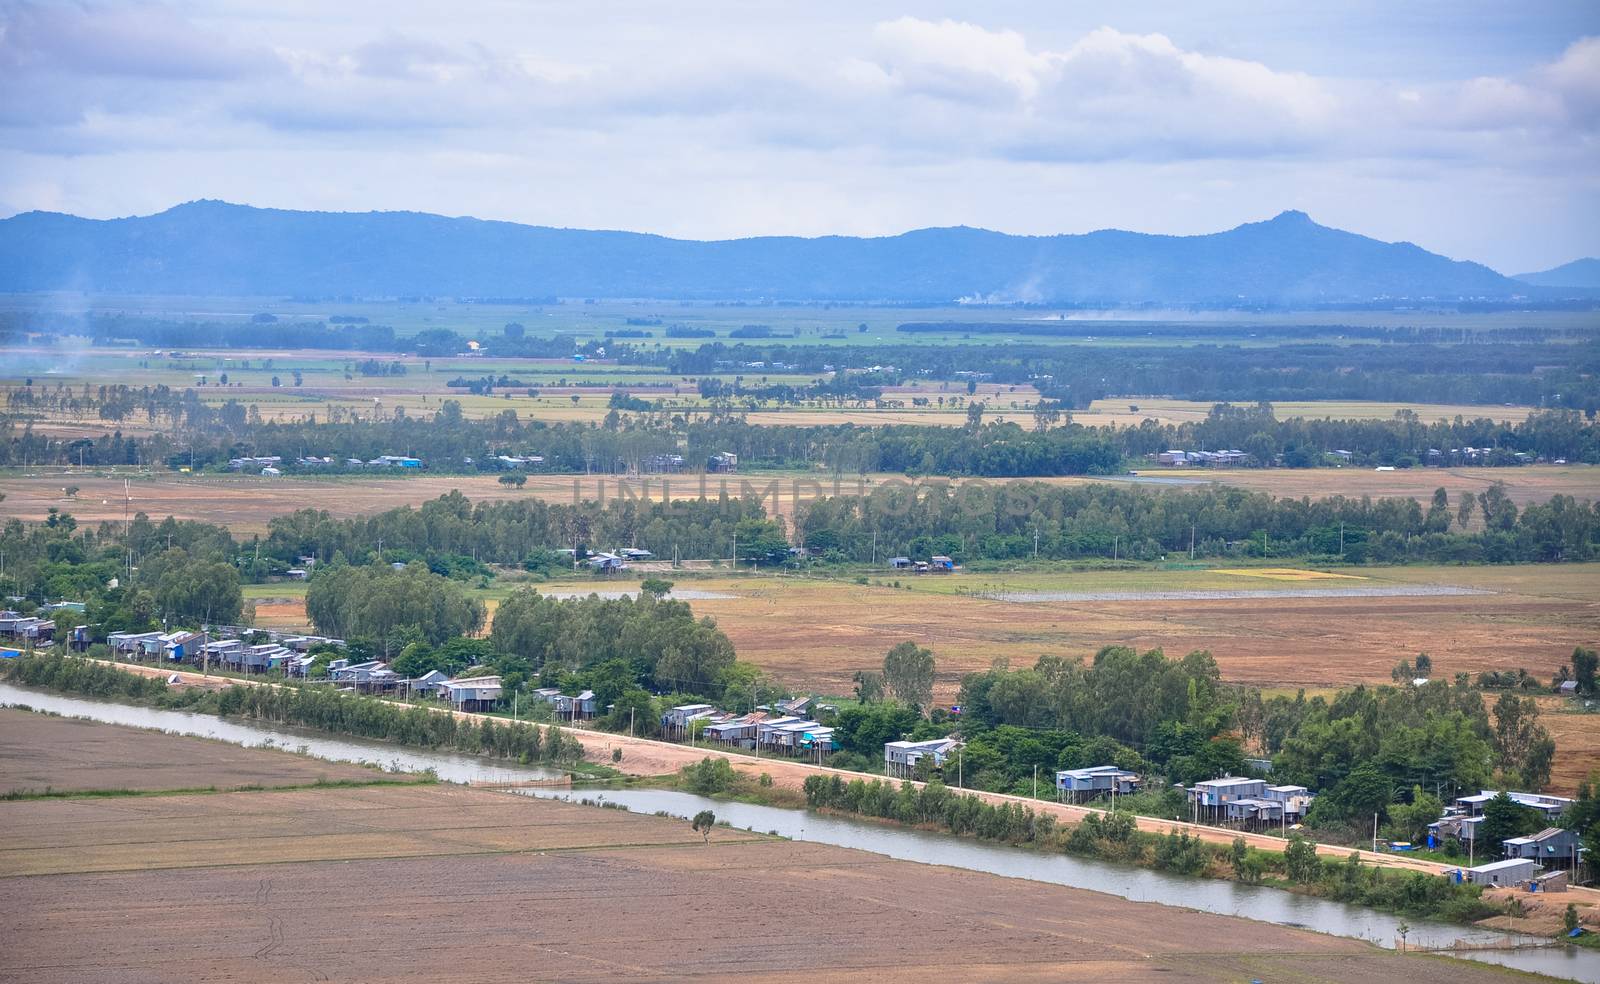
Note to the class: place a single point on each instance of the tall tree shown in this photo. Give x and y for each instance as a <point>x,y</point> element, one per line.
<point>908,672</point>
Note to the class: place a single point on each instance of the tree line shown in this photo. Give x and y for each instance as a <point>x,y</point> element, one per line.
<point>1026,519</point>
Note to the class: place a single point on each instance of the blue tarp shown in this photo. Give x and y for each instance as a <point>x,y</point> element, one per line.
<point>10,654</point>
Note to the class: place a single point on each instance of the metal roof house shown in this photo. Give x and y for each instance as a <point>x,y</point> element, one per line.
<point>1088,783</point>
<point>1253,811</point>
<point>476,694</point>
<point>739,730</point>
<point>900,758</point>
<point>428,682</point>
<point>129,643</point>
<point>1214,795</point>
<point>1296,800</point>
<point>1550,806</point>
<point>178,647</point>
<point>1511,871</point>
<point>1551,847</point>
<point>579,708</point>
<point>676,720</point>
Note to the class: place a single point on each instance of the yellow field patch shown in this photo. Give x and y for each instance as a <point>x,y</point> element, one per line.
<point>1289,574</point>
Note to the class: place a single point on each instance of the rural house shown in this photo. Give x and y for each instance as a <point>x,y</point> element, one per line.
<point>1096,780</point>
<point>900,758</point>
<point>476,694</point>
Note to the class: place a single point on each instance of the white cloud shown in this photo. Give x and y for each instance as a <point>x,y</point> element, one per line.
<point>720,121</point>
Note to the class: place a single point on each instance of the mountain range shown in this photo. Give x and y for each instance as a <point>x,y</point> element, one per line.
<point>217,248</point>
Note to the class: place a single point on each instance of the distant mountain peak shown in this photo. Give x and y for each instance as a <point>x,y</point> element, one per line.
<point>1292,216</point>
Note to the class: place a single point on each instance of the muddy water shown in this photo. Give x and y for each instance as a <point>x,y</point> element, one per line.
<point>448,766</point>
<point>1136,884</point>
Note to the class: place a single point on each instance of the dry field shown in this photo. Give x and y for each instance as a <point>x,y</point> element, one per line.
<point>818,633</point>
<point>1119,410</point>
<point>245,503</point>
<point>451,884</point>
<point>39,752</point>
<point>1535,483</point>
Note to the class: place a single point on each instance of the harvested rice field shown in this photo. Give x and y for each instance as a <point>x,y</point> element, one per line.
<point>40,753</point>
<point>452,884</point>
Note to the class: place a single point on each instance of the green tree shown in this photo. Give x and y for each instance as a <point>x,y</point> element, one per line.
<point>1410,820</point>
<point>201,591</point>
<point>1585,664</point>
<point>908,671</point>
<point>656,587</point>
<point>703,823</point>
<point>1300,860</point>
<point>1504,818</point>
<point>869,686</point>
<point>1523,748</point>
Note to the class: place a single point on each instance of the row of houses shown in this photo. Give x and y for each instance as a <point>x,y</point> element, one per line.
<point>783,728</point>
<point>1249,802</point>
<point>272,464</point>
<point>1203,459</point>
<point>937,564</point>
<point>28,630</point>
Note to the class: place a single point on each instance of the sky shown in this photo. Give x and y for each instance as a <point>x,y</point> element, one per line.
<point>1470,128</point>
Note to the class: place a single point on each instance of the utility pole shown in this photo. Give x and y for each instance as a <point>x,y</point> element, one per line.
<point>1036,557</point>
<point>1035,778</point>
<point>1374,833</point>
<point>1191,541</point>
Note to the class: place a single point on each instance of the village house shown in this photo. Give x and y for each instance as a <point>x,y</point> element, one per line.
<point>675,723</point>
<point>579,708</point>
<point>900,758</point>
<point>475,694</point>
<point>1211,798</point>
<point>427,683</point>
<point>27,628</point>
<point>129,645</point>
<point>1552,847</point>
<point>181,646</point>
<point>1296,800</point>
<point>1512,871</point>
<point>739,730</point>
<point>1096,780</point>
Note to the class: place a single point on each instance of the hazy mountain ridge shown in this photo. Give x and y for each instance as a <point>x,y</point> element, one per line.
<point>210,247</point>
<point>1584,273</point>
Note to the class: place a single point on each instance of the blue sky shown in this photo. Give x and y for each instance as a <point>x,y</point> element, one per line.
<point>1470,128</point>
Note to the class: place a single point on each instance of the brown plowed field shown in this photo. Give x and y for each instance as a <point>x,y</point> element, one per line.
<point>39,752</point>
<point>504,888</point>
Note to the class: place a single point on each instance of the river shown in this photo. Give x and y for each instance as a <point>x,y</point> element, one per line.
<point>1137,884</point>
